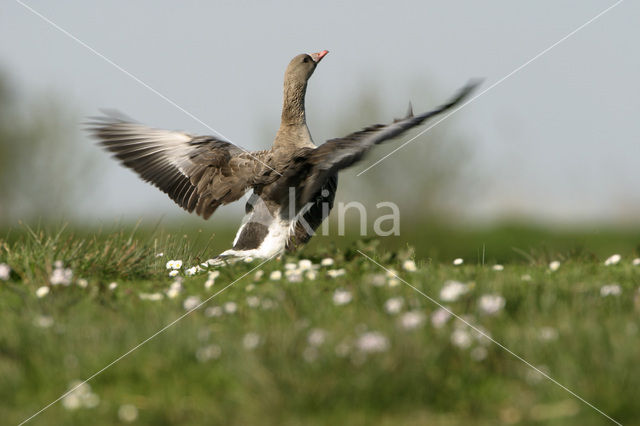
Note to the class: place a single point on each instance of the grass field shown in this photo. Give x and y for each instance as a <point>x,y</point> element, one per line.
<point>347,343</point>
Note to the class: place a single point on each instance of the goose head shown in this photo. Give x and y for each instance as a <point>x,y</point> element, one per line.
<point>302,67</point>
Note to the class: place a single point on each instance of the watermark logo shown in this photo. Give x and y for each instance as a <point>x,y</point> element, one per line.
<point>313,216</point>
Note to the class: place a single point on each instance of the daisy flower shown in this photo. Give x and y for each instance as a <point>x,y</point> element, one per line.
<point>5,271</point>
<point>491,304</point>
<point>394,305</point>
<point>316,337</point>
<point>409,265</point>
<point>327,261</point>
<point>341,297</point>
<point>42,291</point>
<point>128,413</point>
<point>275,275</point>
<point>452,290</point>
<point>610,290</point>
<point>190,303</point>
<point>251,341</point>
<point>613,260</point>
<point>461,338</point>
<point>154,297</point>
<point>412,319</point>
<point>372,342</point>
<point>334,273</point>
<point>174,264</point>
<point>440,317</point>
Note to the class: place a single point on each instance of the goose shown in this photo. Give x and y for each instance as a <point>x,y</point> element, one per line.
<point>293,184</point>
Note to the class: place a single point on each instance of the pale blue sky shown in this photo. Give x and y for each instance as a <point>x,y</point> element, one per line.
<point>558,141</point>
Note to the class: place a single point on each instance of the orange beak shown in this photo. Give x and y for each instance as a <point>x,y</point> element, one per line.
<point>318,56</point>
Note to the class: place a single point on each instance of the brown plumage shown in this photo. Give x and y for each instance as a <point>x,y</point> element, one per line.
<point>200,173</point>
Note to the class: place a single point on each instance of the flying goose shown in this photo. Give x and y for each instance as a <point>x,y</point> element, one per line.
<point>293,183</point>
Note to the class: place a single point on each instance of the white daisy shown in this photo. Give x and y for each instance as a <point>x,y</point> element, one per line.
<point>213,311</point>
<point>613,260</point>
<point>341,297</point>
<point>452,290</point>
<point>334,273</point>
<point>190,303</point>
<point>128,413</point>
<point>174,264</point>
<point>159,254</point>
<point>461,338</point>
<point>498,268</point>
<point>372,342</point>
<point>636,261</point>
<point>293,275</point>
<point>71,402</point>
<point>394,305</point>
<point>393,282</point>
<point>113,286</point>
<point>5,271</point>
<point>174,289</point>
<point>80,396</point>
<point>251,341</point>
<point>208,353</point>
<point>409,265</point>
<point>43,321</point>
<point>82,283</point>
<point>459,261</point>
<point>610,290</point>
<point>230,307</point>
<point>173,272</point>
<point>154,297</point>
<point>42,291</point>
<point>327,261</point>
<point>290,266</point>
<point>555,265</point>
<point>412,319</point>
<point>61,276</point>
<point>253,301</point>
<point>311,275</point>
<point>275,275</point>
<point>191,271</point>
<point>491,304</point>
<point>305,264</point>
<point>258,275</point>
<point>316,337</point>
<point>526,277</point>
<point>440,317</point>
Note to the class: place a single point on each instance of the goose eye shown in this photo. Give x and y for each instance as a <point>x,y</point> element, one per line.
<point>306,59</point>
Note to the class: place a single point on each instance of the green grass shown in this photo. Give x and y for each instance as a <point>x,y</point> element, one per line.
<point>558,321</point>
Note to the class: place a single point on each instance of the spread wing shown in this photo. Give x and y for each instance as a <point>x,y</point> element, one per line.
<point>197,172</point>
<point>337,154</point>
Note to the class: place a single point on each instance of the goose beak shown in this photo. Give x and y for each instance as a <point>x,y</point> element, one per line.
<point>318,56</point>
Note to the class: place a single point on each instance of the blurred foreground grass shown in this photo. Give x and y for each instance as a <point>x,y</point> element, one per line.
<point>356,348</point>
